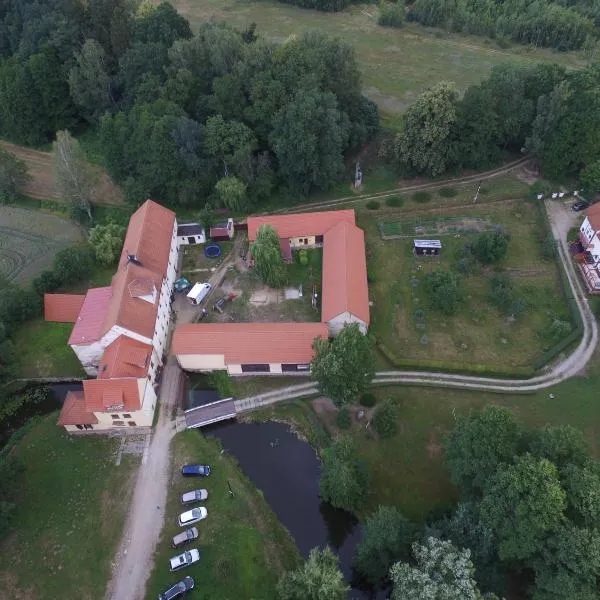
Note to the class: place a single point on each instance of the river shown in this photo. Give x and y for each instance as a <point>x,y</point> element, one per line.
<point>286,469</point>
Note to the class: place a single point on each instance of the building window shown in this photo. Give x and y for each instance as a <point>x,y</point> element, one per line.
<point>126,416</point>
<point>289,368</point>
<point>114,416</point>
<point>256,368</point>
<point>88,427</point>
<point>118,423</point>
<point>131,423</point>
<point>79,426</point>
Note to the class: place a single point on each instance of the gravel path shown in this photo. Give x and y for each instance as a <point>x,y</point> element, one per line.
<point>133,563</point>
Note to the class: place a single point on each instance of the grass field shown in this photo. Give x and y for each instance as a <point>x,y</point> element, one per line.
<point>41,185</point>
<point>396,64</point>
<point>403,320</point>
<point>244,549</point>
<point>29,241</point>
<point>72,506</point>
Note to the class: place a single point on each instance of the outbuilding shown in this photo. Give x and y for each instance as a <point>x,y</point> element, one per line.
<point>190,233</point>
<point>427,247</point>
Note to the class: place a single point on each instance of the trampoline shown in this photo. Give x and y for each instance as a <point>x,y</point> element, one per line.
<point>212,251</point>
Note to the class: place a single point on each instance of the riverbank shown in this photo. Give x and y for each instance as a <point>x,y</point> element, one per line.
<point>70,513</point>
<point>243,546</point>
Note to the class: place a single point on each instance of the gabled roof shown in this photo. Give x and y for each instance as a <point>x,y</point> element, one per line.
<point>125,357</point>
<point>593,214</point>
<point>90,321</point>
<point>117,394</point>
<point>245,343</point>
<point>345,286</point>
<point>74,411</point>
<point>62,308</point>
<point>298,225</point>
<point>126,308</point>
<point>149,237</point>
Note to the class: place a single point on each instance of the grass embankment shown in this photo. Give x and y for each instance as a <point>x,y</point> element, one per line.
<point>408,470</point>
<point>396,64</point>
<point>478,334</point>
<point>72,506</point>
<point>244,549</point>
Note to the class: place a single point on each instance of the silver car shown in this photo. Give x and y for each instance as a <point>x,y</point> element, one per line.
<point>184,560</point>
<point>192,516</point>
<point>194,496</point>
<point>184,537</point>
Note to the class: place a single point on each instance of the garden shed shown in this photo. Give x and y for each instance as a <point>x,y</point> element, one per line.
<point>190,233</point>
<point>427,247</point>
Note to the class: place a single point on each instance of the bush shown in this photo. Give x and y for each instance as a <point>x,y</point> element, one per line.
<point>421,197</point>
<point>368,400</point>
<point>372,205</point>
<point>394,201</point>
<point>343,419</point>
<point>391,14</point>
<point>442,287</point>
<point>303,257</point>
<point>384,420</point>
<point>447,192</point>
<point>491,246</point>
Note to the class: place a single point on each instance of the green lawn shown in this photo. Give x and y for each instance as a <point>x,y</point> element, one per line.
<point>71,510</point>
<point>401,316</point>
<point>42,350</point>
<point>243,546</point>
<point>396,64</point>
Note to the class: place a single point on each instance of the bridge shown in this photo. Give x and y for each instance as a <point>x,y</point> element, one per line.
<point>200,416</point>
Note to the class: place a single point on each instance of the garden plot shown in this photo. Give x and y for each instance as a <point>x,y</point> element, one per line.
<point>403,320</point>
<point>411,226</point>
<point>29,240</point>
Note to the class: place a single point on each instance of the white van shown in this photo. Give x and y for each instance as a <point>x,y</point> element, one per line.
<point>199,292</point>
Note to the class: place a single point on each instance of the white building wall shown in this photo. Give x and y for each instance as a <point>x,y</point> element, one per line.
<point>201,362</point>
<point>587,230</point>
<point>336,324</point>
<point>89,355</point>
<point>236,370</point>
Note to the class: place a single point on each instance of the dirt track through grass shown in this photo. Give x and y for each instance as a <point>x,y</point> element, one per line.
<point>42,185</point>
<point>396,64</point>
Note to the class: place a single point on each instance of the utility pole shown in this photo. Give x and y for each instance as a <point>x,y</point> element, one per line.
<point>357,175</point>
<point>476,196</point>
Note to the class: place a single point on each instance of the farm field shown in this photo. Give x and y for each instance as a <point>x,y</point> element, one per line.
<point>29,241</point>
<point>244,549</point>
<point>396,64</point>
<point>72,502</point>
<point>41,186</point>
<point>401,317</point>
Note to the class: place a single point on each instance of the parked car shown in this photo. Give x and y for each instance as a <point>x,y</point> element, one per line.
<point>184,537</point>
<point>189,557</point>
<point>195,470</point>
<point>192,516</point>
<point>579,205</point>
<point>194,496</point>
<point>177,590</point>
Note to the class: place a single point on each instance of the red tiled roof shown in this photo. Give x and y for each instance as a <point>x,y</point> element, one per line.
<point>125,357</point>
<point>243,343</point>
<point>313,223</point>
<point>149,237</point>
<point>345,286</point>
<point>62,308</point>
<point>74,411</point>
<point>127,310</point>
<point>89,323</point>
<point>112,394</point>
<point>593,214</point>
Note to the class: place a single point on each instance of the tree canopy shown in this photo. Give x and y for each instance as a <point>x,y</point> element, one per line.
<point>266,254</point>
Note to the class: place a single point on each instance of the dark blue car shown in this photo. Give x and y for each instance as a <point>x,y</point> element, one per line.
<point>195,470</point>
<point>177,590</point>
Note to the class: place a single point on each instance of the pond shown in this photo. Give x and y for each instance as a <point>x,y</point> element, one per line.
<point>286,469</point>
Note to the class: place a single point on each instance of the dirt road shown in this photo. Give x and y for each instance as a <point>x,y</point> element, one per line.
<point>133,563</point>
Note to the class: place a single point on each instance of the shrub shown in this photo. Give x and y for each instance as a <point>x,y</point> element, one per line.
<point>372,205</point>
<point>391,14</point>
<point>447,192</point>
<point>343,419</point>
<point>491,246</point>
<point>394,201</point>
<point>368,400</point>
<point>421,197</point>
<point>442,288</point>
<point>548,247</point>
<point>303,257</point>
<point>384,420</point>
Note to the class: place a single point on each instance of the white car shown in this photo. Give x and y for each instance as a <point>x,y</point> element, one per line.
<point>194,496</point>
<point>192,516</point>
<point>183,560</point>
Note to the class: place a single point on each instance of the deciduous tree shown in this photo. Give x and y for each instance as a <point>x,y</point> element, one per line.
<point>231,192</point>
<point>491,246</point>
<point>266,253</point>
<point>442,287</point>
<point>345,366</point>
<point>107,241</point>
<point>13,174</point>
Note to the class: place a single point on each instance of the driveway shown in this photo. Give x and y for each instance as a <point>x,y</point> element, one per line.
<point>134,562</point>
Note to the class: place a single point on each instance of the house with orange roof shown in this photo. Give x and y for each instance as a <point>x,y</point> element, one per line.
<point>120,331</point>
<point>586,248</point>
<point>280,348</point>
